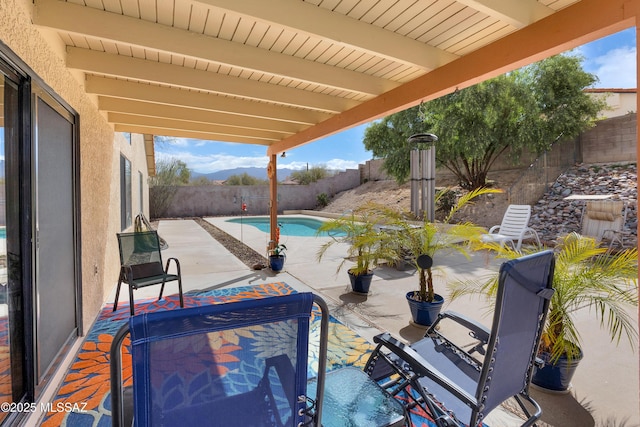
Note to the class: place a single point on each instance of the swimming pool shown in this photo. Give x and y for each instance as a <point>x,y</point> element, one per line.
<point>301,227</point>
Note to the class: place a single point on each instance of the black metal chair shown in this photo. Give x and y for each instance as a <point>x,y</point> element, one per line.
<point>141,265</point>
<point>460,387</point>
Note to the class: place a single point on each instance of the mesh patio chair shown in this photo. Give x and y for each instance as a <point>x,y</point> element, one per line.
<point>141,265</point>
<point>514,227</point>
<point>235,364</point>
<point>460,387</point>
<point>604,220</point>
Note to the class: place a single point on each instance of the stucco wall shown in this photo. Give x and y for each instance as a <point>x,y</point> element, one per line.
<point>212,200</point>
<point>97,154</point>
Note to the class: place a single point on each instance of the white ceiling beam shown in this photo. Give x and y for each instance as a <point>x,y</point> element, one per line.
<point>91,61</point>
<point>518,13</point>
<point>178,125</point>
<point>546,37</point>
<point>186,134</point>
<point>139,108</point>
<point>319,22</point>
<point>95,23</point>
<point>231,111</point>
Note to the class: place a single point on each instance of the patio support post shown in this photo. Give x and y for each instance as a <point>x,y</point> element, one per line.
<point>273,201</point>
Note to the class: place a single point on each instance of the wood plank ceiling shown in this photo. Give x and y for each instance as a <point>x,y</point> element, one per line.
<point>279,73</point>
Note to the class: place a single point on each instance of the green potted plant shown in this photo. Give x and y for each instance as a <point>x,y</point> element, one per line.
<point>277,255</point>
<point>586,277</point>
<point>418,242</point>
<point>368,244</point>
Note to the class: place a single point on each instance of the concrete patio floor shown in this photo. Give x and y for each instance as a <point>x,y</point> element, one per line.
<point>606,381</point>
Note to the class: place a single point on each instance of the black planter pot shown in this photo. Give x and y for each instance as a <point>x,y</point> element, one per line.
<point>360,283</point>
<point>276,262</point>
<point>555,376</point>
<point>424,313</point>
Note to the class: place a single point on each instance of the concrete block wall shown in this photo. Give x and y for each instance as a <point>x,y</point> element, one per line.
<point>220,200</point>
<point>611,140</point>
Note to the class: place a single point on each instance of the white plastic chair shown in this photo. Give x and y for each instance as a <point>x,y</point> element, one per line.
<point>514,228</point>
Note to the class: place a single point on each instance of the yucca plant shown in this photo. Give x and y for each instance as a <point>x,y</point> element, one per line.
<point>586,276</point>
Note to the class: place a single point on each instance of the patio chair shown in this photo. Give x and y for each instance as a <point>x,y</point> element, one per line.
<point>141,265</point>
<point>235,364</point>
<point>604,220</point>
<point>514,228</point>
<point>460,387</point>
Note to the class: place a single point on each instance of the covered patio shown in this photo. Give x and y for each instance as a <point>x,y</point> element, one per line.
<point>599,396</point>
<point>276,74</point>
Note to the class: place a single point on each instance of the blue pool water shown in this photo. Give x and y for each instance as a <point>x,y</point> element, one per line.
<point>301,227</point>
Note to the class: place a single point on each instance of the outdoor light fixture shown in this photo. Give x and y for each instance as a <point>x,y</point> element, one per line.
<point>423,175</point>
<point>284,154</point>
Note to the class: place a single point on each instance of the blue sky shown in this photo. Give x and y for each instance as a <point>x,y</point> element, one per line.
<point>612,59</point>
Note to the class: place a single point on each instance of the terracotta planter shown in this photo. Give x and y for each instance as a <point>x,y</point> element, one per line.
<point>424,313</point>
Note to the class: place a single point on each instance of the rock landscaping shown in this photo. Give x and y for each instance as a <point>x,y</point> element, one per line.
<point>553,216</point>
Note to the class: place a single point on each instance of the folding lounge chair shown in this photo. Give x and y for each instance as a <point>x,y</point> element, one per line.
<point>235,364</point>
<point>141,265</point>
<point>604,220</point>
<point>458,387</point>
<point>514,227</point>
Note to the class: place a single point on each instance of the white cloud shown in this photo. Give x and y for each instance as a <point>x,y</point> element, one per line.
<point>616,68</point>
<point>333,164</point>
<point>213,162</point>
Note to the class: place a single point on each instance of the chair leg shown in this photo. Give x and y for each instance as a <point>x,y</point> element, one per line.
<point>161,291</point>
<point>115,303</point>
<point>180,291</point>
<point>131,308</point>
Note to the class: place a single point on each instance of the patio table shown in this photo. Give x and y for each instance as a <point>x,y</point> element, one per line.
<point>353,399</point>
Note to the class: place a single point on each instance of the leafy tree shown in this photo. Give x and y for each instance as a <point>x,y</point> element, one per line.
<point>530,109</point>
<point>308,176</point>
<point>170,172</point>
<point>162,186</point>
<point>201,180</point>
<point>244,179</point>
<point>387,139</point>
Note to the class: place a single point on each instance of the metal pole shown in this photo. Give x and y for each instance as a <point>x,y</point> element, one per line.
<point>415,173</point>
<point>431,183</point>
<point>425,170</point>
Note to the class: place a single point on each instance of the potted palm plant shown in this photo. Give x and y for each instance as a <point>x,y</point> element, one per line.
<point>277,255</point>
<point>420,241</point>
<point>586,277</point>
<point>367,243</point>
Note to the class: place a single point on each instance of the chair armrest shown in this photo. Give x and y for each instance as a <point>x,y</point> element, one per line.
<point>421,367</point>
<point>495,228</point>
<point>166,269</point>
<point>477,330</point>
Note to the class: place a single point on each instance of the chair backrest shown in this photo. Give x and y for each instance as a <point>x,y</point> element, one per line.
<point>141,251</point>
<point>240,364</point>
<point>524,292</point>
<point>602,215</point>
<point>515,220</point>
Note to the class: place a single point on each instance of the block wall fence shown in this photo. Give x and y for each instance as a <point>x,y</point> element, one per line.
<point>610,141</point>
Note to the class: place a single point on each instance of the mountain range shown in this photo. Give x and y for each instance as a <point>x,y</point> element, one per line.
<point>260,173</point>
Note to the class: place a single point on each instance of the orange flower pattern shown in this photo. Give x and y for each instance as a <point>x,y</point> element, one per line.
<point>88,378</point>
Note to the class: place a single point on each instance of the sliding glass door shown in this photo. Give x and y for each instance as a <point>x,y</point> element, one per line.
<point>13,367</point>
